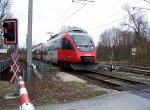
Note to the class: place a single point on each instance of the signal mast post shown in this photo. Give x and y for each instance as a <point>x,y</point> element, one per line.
<point>15,82</point>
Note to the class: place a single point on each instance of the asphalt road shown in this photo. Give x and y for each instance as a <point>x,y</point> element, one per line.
<point>117,101</point>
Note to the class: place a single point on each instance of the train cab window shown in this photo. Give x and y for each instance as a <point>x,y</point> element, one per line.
<point>83,42</point>
<point>66,45</point>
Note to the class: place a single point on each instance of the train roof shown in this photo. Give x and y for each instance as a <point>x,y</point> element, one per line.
<point>75,30</point>
<point>38,46</point>
<point>69,30</point>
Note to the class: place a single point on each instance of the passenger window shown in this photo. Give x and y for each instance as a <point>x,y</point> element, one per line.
<point>66,44</point>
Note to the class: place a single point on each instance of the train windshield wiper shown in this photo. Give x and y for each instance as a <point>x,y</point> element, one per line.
<point>86,45</point>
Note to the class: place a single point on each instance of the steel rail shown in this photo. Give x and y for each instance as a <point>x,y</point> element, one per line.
<point>105,80</point>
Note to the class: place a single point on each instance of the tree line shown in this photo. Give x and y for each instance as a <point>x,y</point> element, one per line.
<point>128,42</point>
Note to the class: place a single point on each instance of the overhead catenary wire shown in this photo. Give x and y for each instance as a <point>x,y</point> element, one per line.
<point>138,2</point>
<point>104,19</point>
<point>66,11</point>
<point>105,24</point>
<point>107,18</point>
<point>79,10</point>
<point>99,12</point>
<point>70,16</point>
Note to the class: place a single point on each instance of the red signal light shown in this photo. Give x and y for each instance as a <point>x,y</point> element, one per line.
<point>10,31</point>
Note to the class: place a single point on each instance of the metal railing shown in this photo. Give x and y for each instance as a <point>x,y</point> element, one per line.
<point>4,64</point>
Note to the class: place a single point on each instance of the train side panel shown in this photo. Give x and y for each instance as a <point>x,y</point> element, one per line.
<point>53,56</point>
<point>68,55</point>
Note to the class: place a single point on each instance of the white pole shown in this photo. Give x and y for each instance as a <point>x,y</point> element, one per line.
<point>29,41</point>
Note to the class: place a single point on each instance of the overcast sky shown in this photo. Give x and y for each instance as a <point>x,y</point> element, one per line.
<point>51,15</point>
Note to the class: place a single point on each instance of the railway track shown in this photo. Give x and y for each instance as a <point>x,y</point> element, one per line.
<point>104,80</point>
<point>132,69</point>
<point>107,81</point>
<point>135,70</point>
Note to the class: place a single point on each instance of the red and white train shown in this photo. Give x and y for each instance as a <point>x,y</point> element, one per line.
<point>72,48</point>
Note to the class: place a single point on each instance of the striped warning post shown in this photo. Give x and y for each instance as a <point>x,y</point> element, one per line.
<point>25,103</point>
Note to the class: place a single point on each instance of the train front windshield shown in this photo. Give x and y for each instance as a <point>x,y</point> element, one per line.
<point>83,42</point>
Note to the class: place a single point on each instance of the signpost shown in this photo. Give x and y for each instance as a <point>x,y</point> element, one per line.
<point>133,51</point>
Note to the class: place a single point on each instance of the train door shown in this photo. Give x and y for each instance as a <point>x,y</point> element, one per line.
<point>67,50</point>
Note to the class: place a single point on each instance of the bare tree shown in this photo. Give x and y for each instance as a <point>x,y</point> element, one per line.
<point>138,23</point>
<point>5,6</point>
<point>136,20</point>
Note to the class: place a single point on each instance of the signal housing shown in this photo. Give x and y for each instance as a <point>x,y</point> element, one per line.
<point>10,31</point>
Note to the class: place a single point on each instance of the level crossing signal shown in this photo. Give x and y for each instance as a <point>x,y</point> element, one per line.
<point>10,31</point>
<point>15,68</point>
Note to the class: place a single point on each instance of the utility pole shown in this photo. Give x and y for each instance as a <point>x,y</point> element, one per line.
<point>29,41</point>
